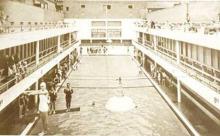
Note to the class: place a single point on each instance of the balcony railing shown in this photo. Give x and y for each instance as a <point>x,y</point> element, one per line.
<point>32,67</point>
<point>201,28</point>
<point>48,52</point>
<point>15,27</point>
<point>213,81</point>
<point>206,71</point>
<point>148,43</point>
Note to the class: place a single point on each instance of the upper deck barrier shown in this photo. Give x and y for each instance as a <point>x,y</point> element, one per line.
<point>16,27</point>
<point>14,39</point>
<point>209,41</point>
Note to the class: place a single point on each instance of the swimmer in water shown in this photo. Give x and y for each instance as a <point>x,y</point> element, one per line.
<point>119,80</point>
<point>120,86</point>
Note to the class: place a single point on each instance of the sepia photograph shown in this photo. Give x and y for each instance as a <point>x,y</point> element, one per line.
<point>110,67</point>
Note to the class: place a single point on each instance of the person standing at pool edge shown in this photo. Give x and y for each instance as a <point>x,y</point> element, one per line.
<point>68,91</point>
<point>43,105</point>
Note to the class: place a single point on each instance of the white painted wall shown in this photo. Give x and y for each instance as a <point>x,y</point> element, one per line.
<point>119,9</point>
<point>84,26</point>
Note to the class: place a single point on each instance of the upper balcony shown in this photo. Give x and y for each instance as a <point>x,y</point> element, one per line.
<point>18,27</point>
<point>26,32</point>
<point>206,36</point>
<point>35,69</point>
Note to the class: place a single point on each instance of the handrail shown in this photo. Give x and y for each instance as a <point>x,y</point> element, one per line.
<point>172,62</point>
<point>64,43</point>
<point>166,49</point>
<point>149,46</point>
<point>14,27</point>
<point>205,31</point>
<point>47,50</point>
<point>200,71</point>
<point>14,79</point>
<point>196,61</point>
<point>207,74</point>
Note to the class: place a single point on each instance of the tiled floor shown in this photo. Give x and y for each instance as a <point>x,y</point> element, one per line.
<point>95,82</point>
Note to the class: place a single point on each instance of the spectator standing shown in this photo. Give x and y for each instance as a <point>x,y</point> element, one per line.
<point>68,91</point>
<point>24,64</point>
<point>59,74</point>
<point>26,105</point>
<point>6,24</point>
<point>81,49</point>
<point>63,72</point>
<point>21,70</point>
<point>159,76</point>
<point>53,97</point>
<point>163,78</point>
<point>5,65</point>
<point>56,79</point>
<point>66,66</point>
<point>11,61</point>
<point>43,107</point>
<point>152,25</point>
<point>152,69</point>
<point>16,58</point>
<point>21,103</point>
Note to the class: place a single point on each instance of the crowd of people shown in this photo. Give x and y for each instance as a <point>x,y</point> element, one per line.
<point>12,68</point>
<point>47,101</point>
<point>96,50</point>
<point>204,28</point>
<point>47,95</point>
<point>161,76</point>
<point>52,80</point>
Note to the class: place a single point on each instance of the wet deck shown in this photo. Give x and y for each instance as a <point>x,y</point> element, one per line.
<point>95,82</point>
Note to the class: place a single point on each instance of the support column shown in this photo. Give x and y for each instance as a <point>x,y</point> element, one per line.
<point>178,52</point>
<point>143,60</point>
<point>215,63</point>
<point>178,80</point>
<point>70,41</point>
<point>37,57</point>
<point>154,42</point>
<point>36,96</point>
<point>142,38</point>
<point>70,59</point>
<point>155,48</point>
<point>178,91</point>
<point>58,44</point>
